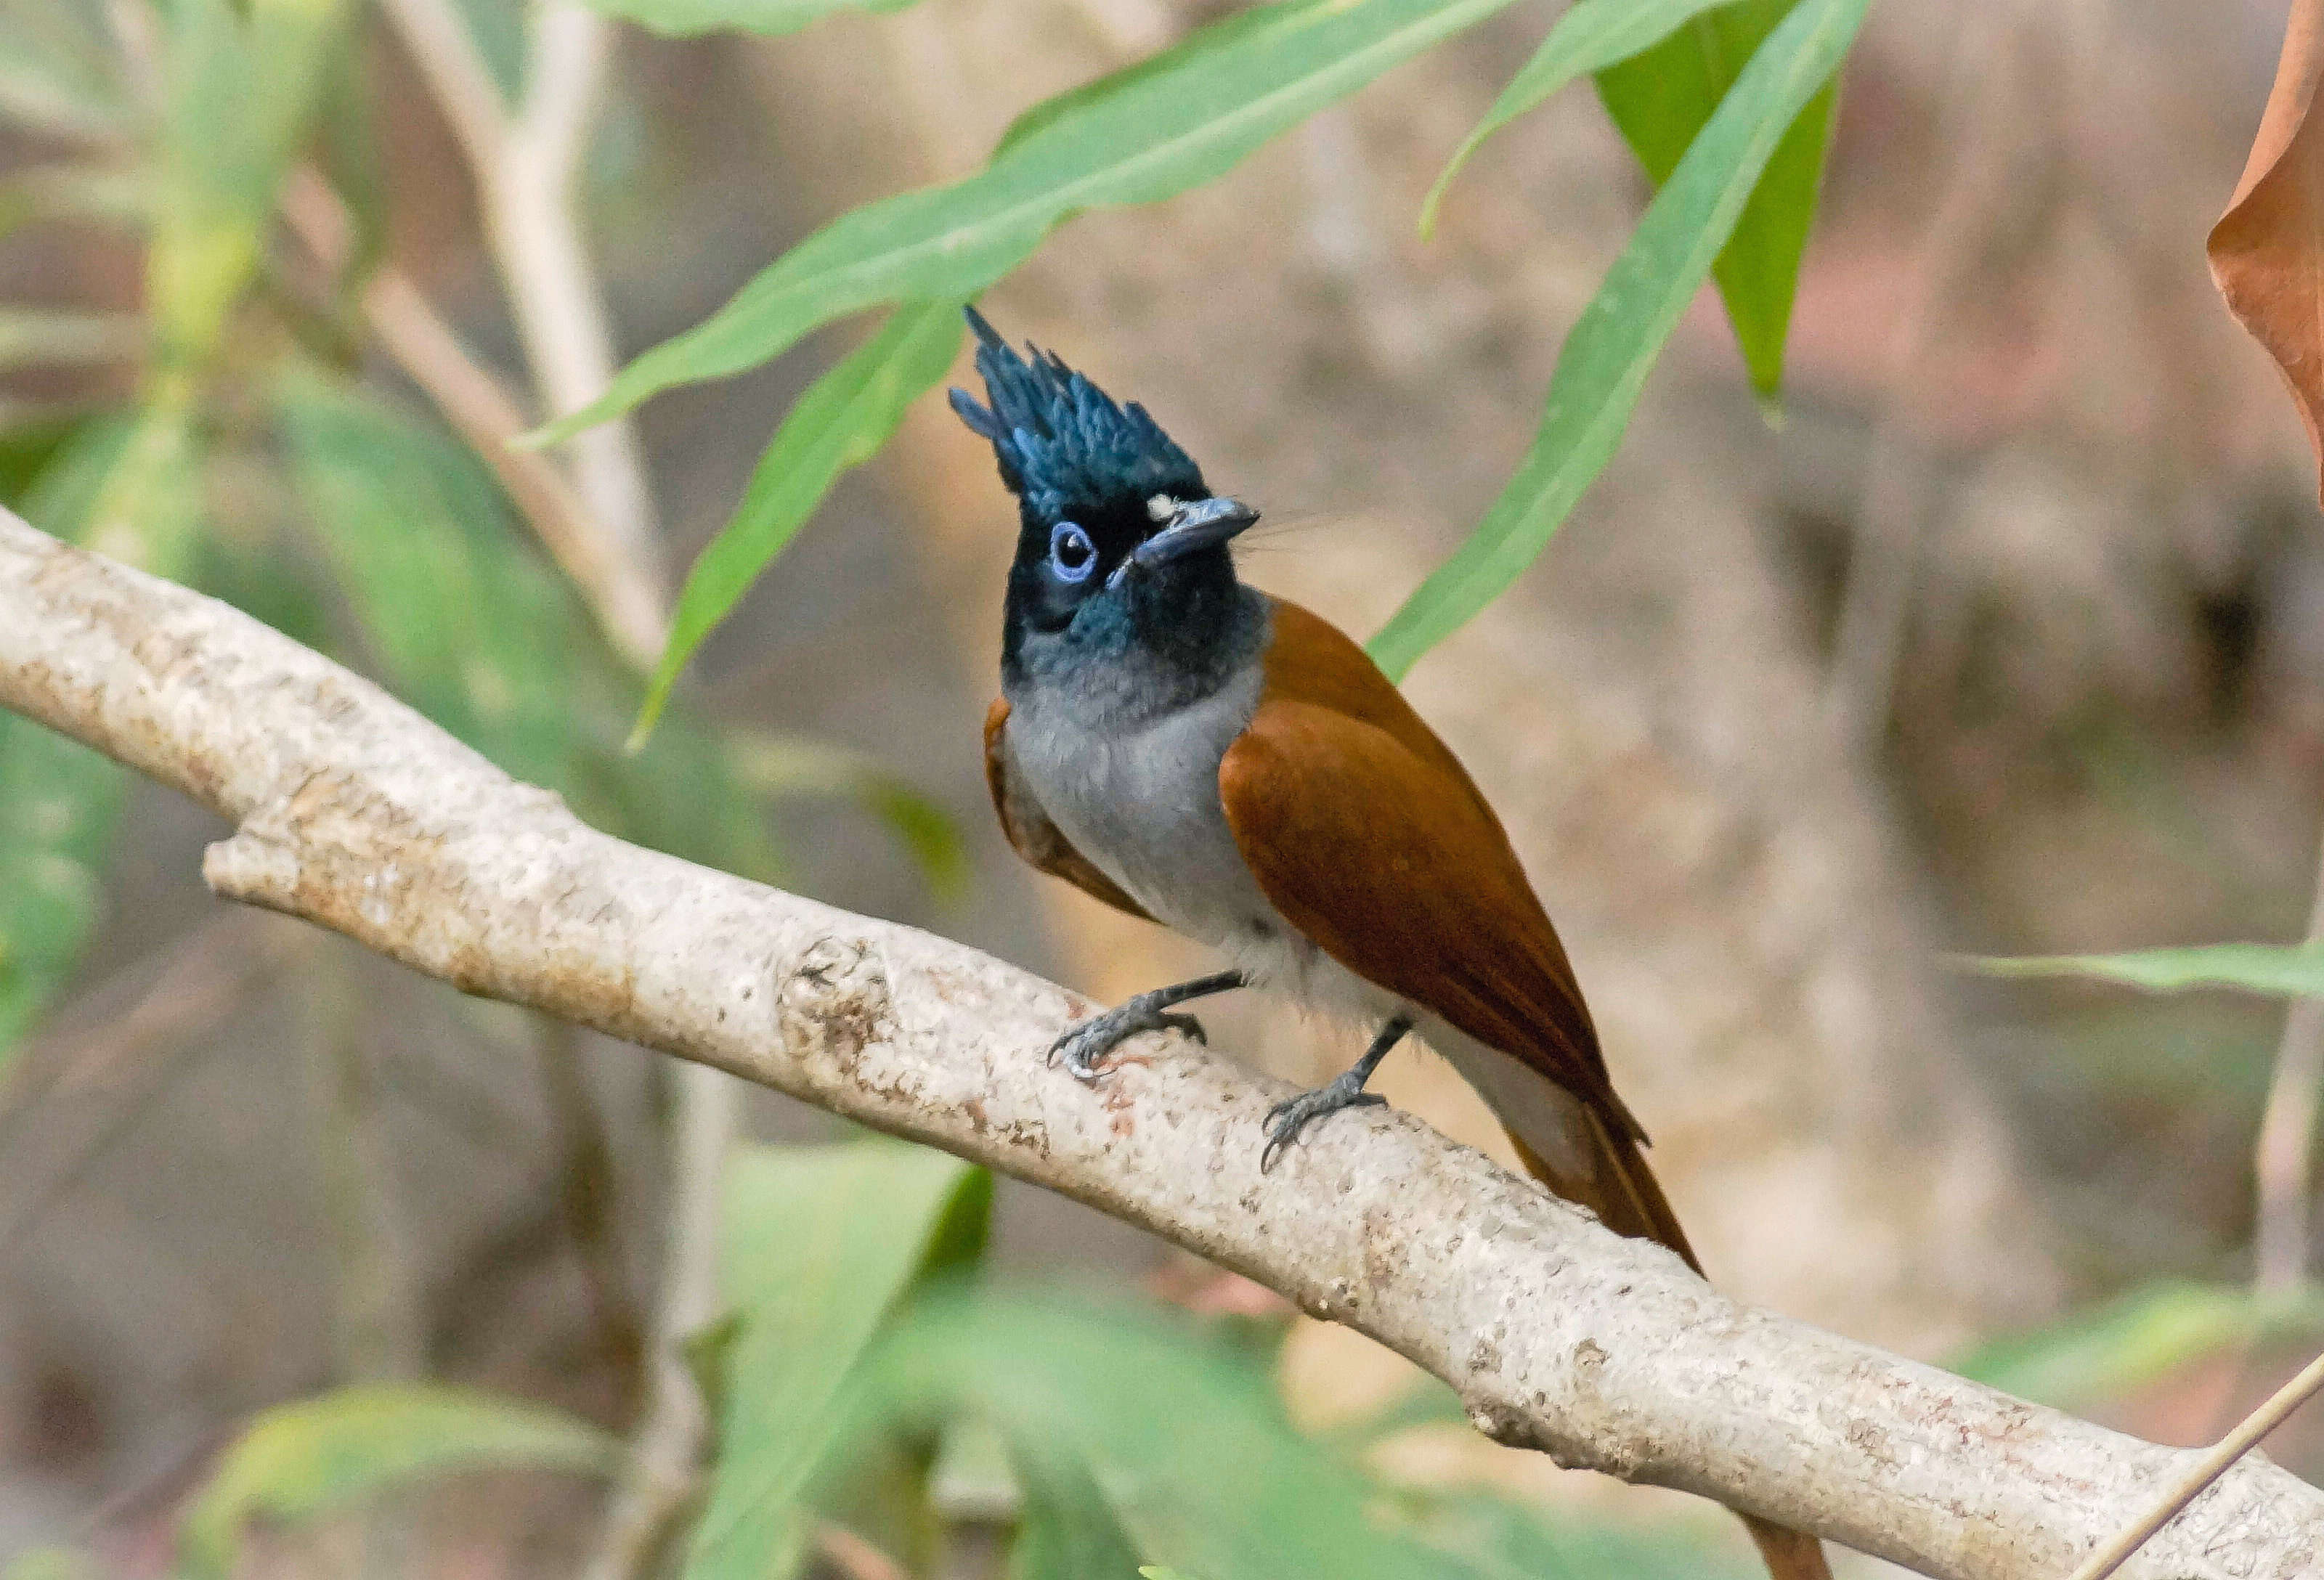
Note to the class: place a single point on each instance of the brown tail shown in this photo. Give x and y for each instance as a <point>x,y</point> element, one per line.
<point>1628,1199</point>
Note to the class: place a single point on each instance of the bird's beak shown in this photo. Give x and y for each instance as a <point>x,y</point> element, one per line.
<point>1204,524</point>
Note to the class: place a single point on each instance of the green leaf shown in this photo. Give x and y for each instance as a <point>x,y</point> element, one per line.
<point>1661,99</point>
<point>770,18</point>
<point>1506,1540</point>
<point>821,1243</point>
<point>790,764</point>
<point>1067,1528</point>
<point>2294,971</point>
<point>840,421</point>
<point>1606,358</point>
<point>1142,1438</point>
<point>466,626</point>
<point>58,70</point>
<point>244,85</point>
<point>50,1563</point>
<point>1142,135</point>
<point>301,1460</point>
<point>2094,1357</point>
<point>1587,38</point>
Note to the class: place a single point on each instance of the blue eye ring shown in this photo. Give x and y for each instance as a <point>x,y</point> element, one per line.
<point>1067,538</point>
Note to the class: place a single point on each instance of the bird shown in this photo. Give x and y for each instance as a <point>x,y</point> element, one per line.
<point>1198,753</point>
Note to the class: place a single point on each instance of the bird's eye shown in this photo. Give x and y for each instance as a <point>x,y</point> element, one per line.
<point>1072,554</point>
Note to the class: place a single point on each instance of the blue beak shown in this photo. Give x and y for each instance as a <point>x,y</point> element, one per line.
<point>1204,524</point>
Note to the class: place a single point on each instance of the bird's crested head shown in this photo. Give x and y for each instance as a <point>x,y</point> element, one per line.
<point>1063,444</point>
<point>1122,545</point>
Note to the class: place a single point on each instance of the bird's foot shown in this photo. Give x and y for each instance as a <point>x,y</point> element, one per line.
<point>1287,1118</point>
<point>1087,1050</point>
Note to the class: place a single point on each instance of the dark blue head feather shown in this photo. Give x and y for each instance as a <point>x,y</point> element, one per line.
<point>1062,443</point>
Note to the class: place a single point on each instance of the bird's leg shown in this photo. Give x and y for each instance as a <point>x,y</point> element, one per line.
<point>1084,1048</point>
<point>1287,1119</point>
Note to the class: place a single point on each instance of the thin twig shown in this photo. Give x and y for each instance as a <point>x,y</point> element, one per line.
<point>457,74</point>
<point>2209,1468</point>
<point>2284,1160</point>
<point>85,1089</point>
<point>88,1042</point>
<point>527,189</point>
<point>378,1326</point>
<point>665,1450</point>
<point>585,1162</point>
<point>474,401</point>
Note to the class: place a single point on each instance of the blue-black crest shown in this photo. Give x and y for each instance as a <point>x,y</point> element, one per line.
<point>1062,441</point>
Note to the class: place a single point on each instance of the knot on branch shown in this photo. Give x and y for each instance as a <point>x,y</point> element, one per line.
<point>834,1001</point>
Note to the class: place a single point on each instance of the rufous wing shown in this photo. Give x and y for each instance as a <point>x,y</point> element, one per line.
<point>1367,834</point>
<point>1031,833</point>
<point>1363,830</point>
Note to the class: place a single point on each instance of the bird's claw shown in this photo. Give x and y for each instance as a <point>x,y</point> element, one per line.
<point>1288,1118</point>
<point>1087,1051</point>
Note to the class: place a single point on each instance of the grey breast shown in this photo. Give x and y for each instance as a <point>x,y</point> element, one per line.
<point>1136,790</point>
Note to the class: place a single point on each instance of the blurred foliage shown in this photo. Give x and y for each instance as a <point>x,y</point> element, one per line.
<point>397,550</point>
<point>301,1460</point>
<point>860,1342</point>
<point>2292,970</point>
<point>1615,343</point>
<point>685,18</point>
<point>821,1243</point>
<point>841,422</point>
<point>2139,1338</point>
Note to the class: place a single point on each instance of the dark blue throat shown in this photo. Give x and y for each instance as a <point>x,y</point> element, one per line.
<point>1154,640</point>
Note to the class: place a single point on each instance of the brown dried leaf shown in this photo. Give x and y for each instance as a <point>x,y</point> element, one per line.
<point>2267,250</point>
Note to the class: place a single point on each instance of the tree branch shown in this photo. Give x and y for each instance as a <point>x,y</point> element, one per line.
<point>353,812</point>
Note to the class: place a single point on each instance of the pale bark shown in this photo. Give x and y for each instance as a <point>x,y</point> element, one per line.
<point>353,812</point>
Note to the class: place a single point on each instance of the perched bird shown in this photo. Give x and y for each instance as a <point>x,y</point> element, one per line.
<point>1191,750</point>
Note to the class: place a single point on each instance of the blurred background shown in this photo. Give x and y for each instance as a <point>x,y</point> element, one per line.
<point>2008,637</point>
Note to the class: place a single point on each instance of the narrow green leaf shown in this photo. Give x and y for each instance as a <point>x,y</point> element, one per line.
<point>1144,134</point>
<point>2094,1356</point>
<point>2297,970</point>
<point>775,764</point>
<point>1607,356</point>
<point>1661,99</point>
<point>308,1459</point>
<point>1136,1435</point>
<point>1065,1524</point>
<point>1587,38</point>
<point>58,70</point>
<point>840,421</point>
<point>1502,1539</point>
<point>821,1243</point>
<point>466,626</point>
<point>243,84</point>
<point>769,18</point>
